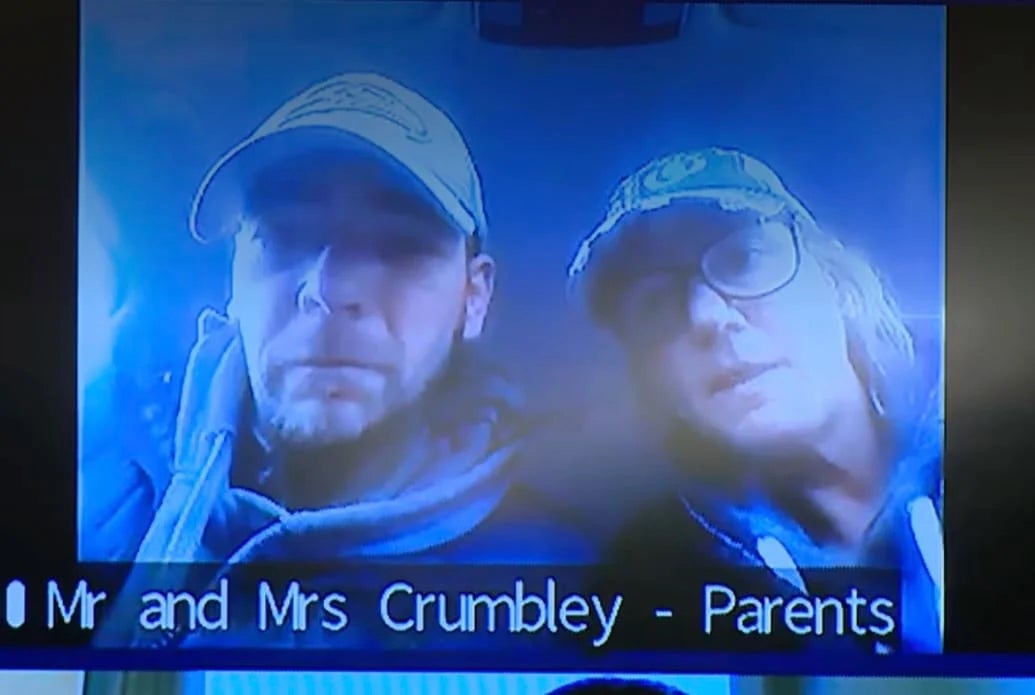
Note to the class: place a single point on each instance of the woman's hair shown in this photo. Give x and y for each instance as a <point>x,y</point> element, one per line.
<point>880,347</point>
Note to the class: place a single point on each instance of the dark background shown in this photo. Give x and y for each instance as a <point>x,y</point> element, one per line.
<point>990,223</point>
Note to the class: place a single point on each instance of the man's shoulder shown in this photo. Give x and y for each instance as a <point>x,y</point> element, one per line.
<point>597,475</point>
<point>117,503</point>
<point>527,527</point>
<point>571,492</point>
<point>119,488</point>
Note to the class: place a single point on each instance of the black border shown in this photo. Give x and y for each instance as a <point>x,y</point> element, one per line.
<point>990,333</point>
<point>990,465</point>
<point>40,42</point>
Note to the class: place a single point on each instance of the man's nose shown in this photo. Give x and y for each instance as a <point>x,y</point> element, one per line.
<point>336,282</point>
<point>710,314</point>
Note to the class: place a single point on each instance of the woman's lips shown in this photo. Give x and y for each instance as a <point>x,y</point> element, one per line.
<point>738,375</point>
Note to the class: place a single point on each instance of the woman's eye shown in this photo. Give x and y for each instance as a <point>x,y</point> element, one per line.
<point>653,288</point>
<point>740,258</point>
<point>743,257</point>
<point>652,297</point>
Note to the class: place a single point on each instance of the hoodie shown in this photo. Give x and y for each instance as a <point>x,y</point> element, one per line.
<point>451,474</point>
<point>905,536</point>
<point>699,533</point>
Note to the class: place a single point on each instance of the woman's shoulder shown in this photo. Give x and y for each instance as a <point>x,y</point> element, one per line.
<point>919,468</point>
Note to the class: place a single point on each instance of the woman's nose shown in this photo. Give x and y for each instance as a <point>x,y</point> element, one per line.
<point>710,314</point>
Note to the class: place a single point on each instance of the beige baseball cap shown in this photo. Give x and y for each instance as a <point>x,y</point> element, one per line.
<point>349,111</point>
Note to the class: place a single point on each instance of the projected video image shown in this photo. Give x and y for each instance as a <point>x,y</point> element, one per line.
<point>440,684</point>
<point>269,683</point>
<point>394,335</point>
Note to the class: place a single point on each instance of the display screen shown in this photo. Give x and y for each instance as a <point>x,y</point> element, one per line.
<point>280,683</point>
<point>449,334</point>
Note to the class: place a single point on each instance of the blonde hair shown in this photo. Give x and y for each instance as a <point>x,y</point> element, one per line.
<point>880,346</point>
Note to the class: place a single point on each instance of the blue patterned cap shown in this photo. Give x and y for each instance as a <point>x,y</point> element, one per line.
<point>730,179</point>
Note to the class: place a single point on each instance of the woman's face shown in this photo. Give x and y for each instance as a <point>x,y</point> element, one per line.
<point>753,371</point>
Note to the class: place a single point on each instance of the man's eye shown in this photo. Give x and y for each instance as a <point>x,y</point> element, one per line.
<point>275,250</point>
<point>407,247</point>
<point>398,250</point>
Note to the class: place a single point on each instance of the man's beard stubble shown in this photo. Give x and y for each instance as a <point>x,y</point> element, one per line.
<point>283,427</point>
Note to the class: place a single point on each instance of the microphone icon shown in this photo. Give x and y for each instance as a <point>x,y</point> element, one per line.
<point>14,607</point>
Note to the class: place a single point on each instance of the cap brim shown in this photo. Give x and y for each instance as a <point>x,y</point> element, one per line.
<point>729,199</point>
<point>220,199</point>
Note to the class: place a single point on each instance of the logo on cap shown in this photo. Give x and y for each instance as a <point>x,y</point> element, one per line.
<point>361,97</point>
<point>671,172</point>
<point>657,178</point>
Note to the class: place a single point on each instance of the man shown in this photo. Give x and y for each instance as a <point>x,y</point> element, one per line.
<point>779,379</point>
<point>338,409</point>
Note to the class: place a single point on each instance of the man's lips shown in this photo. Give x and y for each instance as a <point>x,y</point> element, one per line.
<point>335,378</point>
<point>336,363</point>
<point>737,375</point>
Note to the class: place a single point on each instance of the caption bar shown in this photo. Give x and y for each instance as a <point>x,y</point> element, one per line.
<point>428,609</point>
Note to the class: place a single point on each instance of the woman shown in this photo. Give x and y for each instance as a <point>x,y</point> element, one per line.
<point>779,376</point>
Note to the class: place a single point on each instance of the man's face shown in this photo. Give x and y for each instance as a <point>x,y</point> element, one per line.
<point>754,371</point>
<point>350,290</point>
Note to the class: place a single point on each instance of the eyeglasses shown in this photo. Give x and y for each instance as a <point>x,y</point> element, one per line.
<point>749,263</point>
